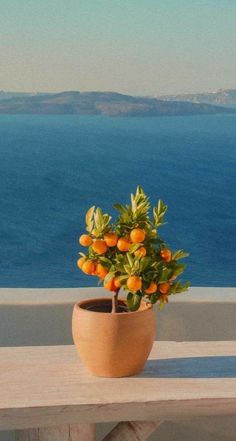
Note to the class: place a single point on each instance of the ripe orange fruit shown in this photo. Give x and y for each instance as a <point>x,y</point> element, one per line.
<point>88,267</point>
<point>101,271</point>
<point>80,262</point>
<point>166,254</point>
<point>141,252</point>
<point>137,235</point>
<point>109,285</point>
<point>134,283</point>
<point>99,246</point>
<point>94,273</point>
<point>151,289</point>
<point>123,244</point>
<point>117,282</point>
<point>85,240</point>
<point>111,239</point>
<point>164,287</point>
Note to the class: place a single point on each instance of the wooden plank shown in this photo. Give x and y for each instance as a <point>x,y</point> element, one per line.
<point>82,432</point>
<point>132,431</point>
<point>45,386</point>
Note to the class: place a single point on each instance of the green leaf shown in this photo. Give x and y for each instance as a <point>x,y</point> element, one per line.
<point>178,287</point>
<point>105,260</point>
<point>179,269</point>
<point>157,265</point>
<point>130,259</point>
<point>133,301</point>
<point>161,208</point>
<point>133,203</point>
<point>145,262</point>
<point>136,265</point>
<point>89,215</point>
<point>127,269</point>
<point>125,277</point>
<point>165,274</point>
<point>134,247</point>
<point>180,254</point>
<point>153,298</point>
<point>98,218</point>
<point>120,208</point>
<point>106,220</point>
<point>158,213</point>
<point>139,190</point>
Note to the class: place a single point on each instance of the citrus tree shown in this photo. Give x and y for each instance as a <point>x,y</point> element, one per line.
<point>129,253</point>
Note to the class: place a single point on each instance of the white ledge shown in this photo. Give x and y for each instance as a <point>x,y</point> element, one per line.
<point>47,296</point>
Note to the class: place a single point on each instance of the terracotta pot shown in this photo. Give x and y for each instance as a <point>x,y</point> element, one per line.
<point>113,344</point>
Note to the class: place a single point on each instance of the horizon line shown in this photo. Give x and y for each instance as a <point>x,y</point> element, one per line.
<point>120,93</point>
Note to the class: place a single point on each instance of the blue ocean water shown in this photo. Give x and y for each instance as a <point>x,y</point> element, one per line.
<point>53,168</point>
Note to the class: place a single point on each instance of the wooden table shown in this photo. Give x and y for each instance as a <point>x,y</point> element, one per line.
<point>46,394</point>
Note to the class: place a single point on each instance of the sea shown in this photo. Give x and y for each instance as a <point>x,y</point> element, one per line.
<point>54,167</point>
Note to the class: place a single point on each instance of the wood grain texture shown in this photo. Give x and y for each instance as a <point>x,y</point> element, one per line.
<point>48,386</point>
<point>132,431</point>
<point>83,432</point>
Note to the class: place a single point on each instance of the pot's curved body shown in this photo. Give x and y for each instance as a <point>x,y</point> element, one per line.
<point>113,344</point>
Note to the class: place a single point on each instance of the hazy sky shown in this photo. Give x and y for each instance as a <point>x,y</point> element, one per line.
<point>143,47</point>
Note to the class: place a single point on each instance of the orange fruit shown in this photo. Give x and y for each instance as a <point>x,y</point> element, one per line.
<point>109,285</point>
<point>85,240</point>
<point>134,283</point>
<point>151,289</point>
<point>117,282</point>
<point>80,262</point>
<point>99,246</point>
<point>88,267</point>
<point>94,273</point>
<point>111,239</point>
<point>141,252</point>
<point>164,287</point>
<point>101,271</point>
<point>166,254</point>
<point>123,244</point>
<point>137,235</point>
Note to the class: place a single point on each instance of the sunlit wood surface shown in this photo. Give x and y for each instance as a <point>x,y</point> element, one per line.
<point>47,386</point>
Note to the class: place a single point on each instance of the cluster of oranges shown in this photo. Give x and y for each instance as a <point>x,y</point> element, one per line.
<point>100,246</point>
<point>123,244</point>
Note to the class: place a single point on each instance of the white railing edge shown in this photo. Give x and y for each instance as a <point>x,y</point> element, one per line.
<point>47,296</point>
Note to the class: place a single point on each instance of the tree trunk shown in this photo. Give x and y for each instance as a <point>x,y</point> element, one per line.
<point>115,301</point>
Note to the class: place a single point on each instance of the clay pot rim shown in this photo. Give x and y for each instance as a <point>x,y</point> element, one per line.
<point>147,306</point>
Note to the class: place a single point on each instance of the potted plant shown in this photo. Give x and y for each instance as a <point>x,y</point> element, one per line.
<point>114,335</point>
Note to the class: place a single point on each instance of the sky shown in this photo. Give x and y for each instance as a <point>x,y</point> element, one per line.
<point>139,47</point>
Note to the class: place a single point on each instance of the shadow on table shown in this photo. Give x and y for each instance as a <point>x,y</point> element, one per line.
<point>192,367</point>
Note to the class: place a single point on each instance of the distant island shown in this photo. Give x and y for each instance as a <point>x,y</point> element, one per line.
<point>220,97</point>
<point>109,104</point>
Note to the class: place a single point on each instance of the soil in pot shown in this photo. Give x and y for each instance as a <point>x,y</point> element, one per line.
<point>105,306</point>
